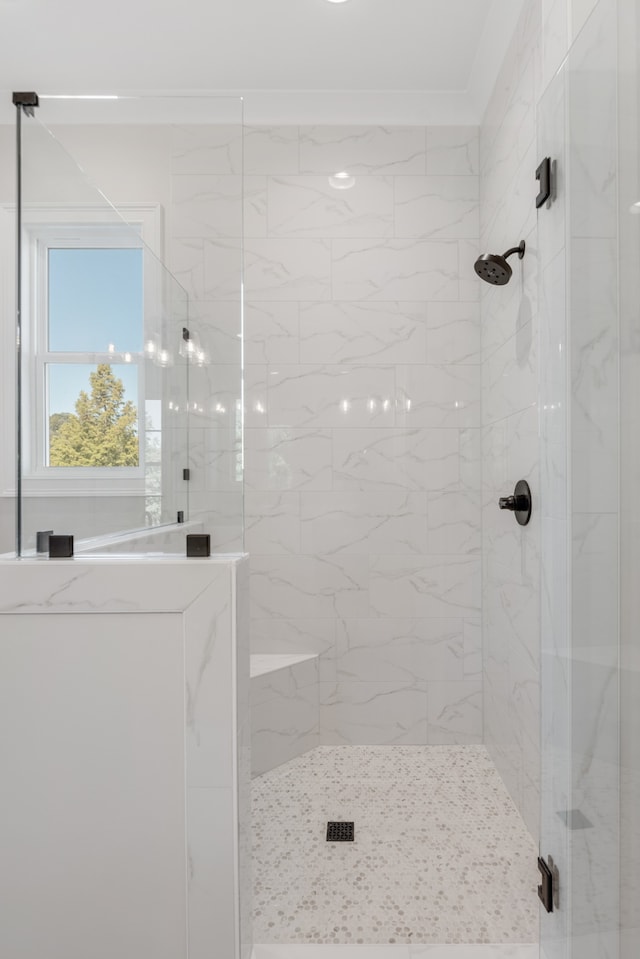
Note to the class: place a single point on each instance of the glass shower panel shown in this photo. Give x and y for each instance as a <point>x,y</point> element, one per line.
<point>185,154</point>
<point>580,414</point>
<point>629,273</point>
<point>104,382</point>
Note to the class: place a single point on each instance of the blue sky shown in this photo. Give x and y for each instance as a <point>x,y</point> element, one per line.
<point>95,299</point>
<point>66,381</point>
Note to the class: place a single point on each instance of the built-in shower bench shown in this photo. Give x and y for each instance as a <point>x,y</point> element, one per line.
<point>285,708</point>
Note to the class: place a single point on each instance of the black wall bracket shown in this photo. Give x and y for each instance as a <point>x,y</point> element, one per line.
<point>198,544</point>
<point>60,546</point>
<point>543,174</point>
<point>27,100</point>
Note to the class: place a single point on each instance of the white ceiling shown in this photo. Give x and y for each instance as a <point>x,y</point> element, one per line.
<point>293,60</point>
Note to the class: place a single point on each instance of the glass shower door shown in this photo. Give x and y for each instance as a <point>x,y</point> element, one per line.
<point>578,236</point>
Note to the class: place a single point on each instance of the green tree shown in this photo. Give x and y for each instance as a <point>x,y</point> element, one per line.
<point>55,422</point>
<point>103,429</point>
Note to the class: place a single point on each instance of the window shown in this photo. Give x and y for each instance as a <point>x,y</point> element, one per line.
<point>94,307</point>
<point>88,300</point>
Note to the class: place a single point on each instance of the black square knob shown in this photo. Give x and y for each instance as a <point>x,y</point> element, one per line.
<point>60,546</point>
<point>198,544</point>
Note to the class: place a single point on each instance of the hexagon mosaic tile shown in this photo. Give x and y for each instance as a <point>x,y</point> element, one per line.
<point>440,855</point>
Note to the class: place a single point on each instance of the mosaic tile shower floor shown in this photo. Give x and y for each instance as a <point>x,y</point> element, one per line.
<point>440,853</point>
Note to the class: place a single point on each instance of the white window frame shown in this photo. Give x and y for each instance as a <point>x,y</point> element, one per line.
<point>77,226</point>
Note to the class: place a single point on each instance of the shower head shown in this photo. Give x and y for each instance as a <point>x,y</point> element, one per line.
<point>494,269</point>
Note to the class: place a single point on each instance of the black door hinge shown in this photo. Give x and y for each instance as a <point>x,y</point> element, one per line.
<point>543,174</point>
<point>545,889</point>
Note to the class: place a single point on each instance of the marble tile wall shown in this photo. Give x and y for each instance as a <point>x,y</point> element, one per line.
<point>168,871</point>
<point>510,435</point>
<point>362,416</point>
<point>362,422</point>
<point>285,708</point>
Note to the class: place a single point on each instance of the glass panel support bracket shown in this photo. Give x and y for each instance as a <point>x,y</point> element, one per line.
<point>548,888</point>
<point>27,100</point>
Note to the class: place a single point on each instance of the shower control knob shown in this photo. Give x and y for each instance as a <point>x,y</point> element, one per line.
<point>519,503</point>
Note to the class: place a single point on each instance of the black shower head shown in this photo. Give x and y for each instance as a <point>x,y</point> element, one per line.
<point>494,269</point>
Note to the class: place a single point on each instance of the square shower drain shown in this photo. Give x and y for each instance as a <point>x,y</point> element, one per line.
<point>340,831</point>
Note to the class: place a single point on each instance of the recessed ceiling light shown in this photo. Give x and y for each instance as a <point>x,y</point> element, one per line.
<point>342,180</point>
<point>337,1</point>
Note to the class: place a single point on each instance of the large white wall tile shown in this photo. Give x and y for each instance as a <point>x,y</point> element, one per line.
<point>468,285</point>
<point>453,151</point>
<point>255,203</point>
<point>306,206</point>
<point>287,459</point>
<point>222,269</point>
<point>276,269</point>
<point>359,150</point>
<point>355,522</point>
<point>271,332</point>
<point>206,206</point>
<point>285,725</point>
<point>331,396</point>
<point>208,655</point>
<point>426,586</point>
<point>400,650</point>
<point>370,332</point>
<point>211,863</point>
<point>395,270</point>
<point>379,459</point>
<point>272,522</point>
<point>299,586</point>
<point>271,150</point>
<point>374,713</point>
<point>455,712</point>
<point>206,149</point>
<point>447,395</point>
<point>453,333</point>
<point>440,207</point>
<point>217,326</point>
<point>453,522</point>
<point>186,262</point>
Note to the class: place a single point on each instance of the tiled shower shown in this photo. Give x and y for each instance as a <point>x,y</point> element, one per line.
<point>458,686</point>
<point>362,439</point>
